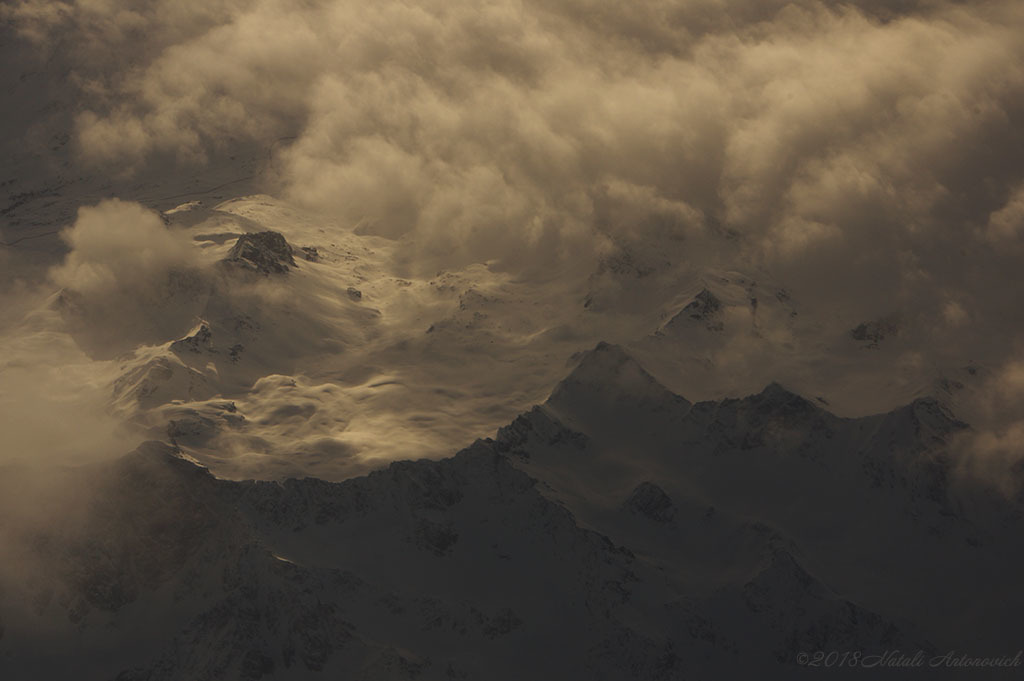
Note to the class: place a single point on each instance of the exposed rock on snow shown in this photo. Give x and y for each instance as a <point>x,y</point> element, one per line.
<point>873,333</point>
<point>198,342</point>
<point>705,307</point>
<point>263,252</point>
<point>159,381</point>
<point>705,311</point>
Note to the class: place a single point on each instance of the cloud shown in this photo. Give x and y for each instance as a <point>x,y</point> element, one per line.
<point>812,128</point>
<point>866,154</point>
<point>995,458</point>
<point>127,279</point>
<point>815,129</point>
<point>118,245</point>
<point>54,405</point>
<point>1006,224</point>
<point>54,397</point>
<point>992,450</point>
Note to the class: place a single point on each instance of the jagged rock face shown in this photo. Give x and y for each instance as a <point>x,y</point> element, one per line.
<point>262,252</point>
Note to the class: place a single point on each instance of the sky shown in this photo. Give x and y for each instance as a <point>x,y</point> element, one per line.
<point>864,156</point>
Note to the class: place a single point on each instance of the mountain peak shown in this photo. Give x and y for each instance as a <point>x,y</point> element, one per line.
<point>650,501</point>
<point>199,340</point>
<point>705,309</point>
<point>608,366</point>
<point>704,305</point>
<point>775,392</point>
<point>777,395</point>
<point>607,379</point>
<point>610,350</point>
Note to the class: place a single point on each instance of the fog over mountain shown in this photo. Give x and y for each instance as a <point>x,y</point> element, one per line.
<point>725,292</point>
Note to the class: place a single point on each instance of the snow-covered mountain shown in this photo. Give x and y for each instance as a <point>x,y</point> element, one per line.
<point>273,342</point>
<point>743,333</point>
<point>617,531</point>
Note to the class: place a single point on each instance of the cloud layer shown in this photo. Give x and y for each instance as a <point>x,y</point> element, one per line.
<point>811,129</point>
<point>867,154</point>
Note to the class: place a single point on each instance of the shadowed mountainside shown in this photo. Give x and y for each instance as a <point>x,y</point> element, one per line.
<point>617,531</point>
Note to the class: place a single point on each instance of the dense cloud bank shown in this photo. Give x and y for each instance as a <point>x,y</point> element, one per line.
<point>533,133</point>
<point>867,154</point>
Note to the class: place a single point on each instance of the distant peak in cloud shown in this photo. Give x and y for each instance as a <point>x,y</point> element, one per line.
<point>608,382</point>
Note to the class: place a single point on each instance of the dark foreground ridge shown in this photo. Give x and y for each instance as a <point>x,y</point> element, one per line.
<point>710,540</point>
